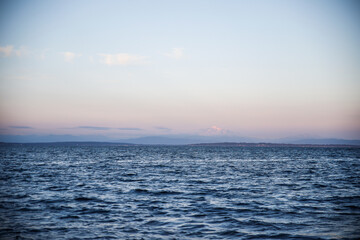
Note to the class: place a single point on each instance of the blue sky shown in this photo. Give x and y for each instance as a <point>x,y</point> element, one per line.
<point>124,69</point>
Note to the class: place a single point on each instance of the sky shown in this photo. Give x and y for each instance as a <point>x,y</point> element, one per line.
<point>125,69</point>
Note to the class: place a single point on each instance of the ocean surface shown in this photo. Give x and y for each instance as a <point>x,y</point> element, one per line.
<point>179,192</point>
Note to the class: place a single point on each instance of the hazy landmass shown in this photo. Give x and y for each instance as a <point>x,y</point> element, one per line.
<point>219,144</point>
<point>228,144</point>
<point>170,140</point>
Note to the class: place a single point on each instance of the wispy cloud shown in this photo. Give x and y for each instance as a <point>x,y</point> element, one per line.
<point>163,128</point>
<point>22,51</point>
<point>20,127</point>
<point>107,128</point>
<point>7,50</point>
<point>176,53</point>
<point>130,129</point>
<point>121,59</point>
<point>93,128</point>
<point>69,56</point>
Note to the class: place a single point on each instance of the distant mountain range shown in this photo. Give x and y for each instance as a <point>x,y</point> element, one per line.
<point>169,140</point>
<point>326,141</point>
<point>234,144</point>
<point>215,139</point>
<point>52,138</point>
<point>181,140</point>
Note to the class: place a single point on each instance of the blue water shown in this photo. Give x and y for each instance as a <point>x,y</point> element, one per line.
<point>158,192</point>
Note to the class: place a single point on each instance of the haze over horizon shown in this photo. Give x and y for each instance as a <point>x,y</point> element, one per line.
<point>232,69</point>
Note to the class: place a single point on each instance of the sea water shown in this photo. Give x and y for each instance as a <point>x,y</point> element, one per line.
<point>179,192</point>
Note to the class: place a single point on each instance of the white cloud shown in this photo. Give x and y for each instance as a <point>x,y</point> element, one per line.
<point>21,51</point>
<point>7,50</point>
<point>69,56</point>
<point>121,59</point>
<point>176,53</point>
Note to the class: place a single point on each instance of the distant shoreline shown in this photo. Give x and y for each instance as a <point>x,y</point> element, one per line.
<point>219,144</point>
<point>235,144</point>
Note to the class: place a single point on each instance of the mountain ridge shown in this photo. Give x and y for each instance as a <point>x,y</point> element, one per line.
<point>219,144</point>
<point>171,140</point>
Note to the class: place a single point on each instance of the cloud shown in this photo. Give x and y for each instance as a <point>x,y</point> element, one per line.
<point>121,59</point>
<point>163,128</point>
<point>7,50</point>
<point>106,128</point>
<point>21,127</point>
<point>130,129</point>
<point>21,51</point>
<point>93,128</point>
<point>176,53</point>
<point>69,56</point>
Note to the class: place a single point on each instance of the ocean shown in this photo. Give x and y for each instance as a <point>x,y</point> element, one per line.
<point>178,192</point>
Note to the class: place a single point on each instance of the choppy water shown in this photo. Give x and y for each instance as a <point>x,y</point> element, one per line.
<point>153,192</point>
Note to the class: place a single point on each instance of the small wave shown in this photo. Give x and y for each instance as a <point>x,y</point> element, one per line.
<point>19,196</point>
<point>58,200</point>
<point>56,188</point>
<point>156,193</point>
<point>190,227</point>
<point>35,230</point>
<point>27,209</point>
<point>139,190</point>
<point>343,198</point>
<point>130,174</point>
<point>166,192</point>
<point>353,207</point>
<point>70,217</point>
<point>154,223</point>
<point>198,215</point>
<point>131,180</point>
<point>281,236</point>
<point>319,185</point>
<point>87,199</point>
<point>93,211</point>
<point>61,207</point>
<point>230,233</point>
